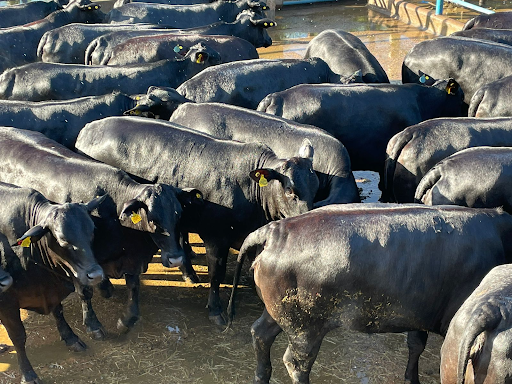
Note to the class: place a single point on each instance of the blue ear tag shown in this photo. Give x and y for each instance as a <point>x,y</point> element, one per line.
<point>423,79</point>
<point>177,48</point>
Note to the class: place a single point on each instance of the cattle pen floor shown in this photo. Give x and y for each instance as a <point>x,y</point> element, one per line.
<point>174,342</point>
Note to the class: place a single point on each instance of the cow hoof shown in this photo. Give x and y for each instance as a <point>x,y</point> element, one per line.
<point>125,328</point>
<point>78,346</point>
<point>219,320</point>
<point>34,381</point>
<point>106,289</point>
<point>97,334</point>
<point>191,279</point>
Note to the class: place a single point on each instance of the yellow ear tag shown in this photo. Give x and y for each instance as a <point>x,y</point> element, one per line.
<point>198,195</point>
<point>265,24</point>
<point>96,7</point>
<point>89,8</point>
<point>135,218</point>
<point>271,24</point>
<point>25,243</point>
<point>199,58</point>
<point>263,182</point>
<point>137,98</point>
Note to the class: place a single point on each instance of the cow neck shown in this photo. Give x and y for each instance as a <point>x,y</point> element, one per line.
<point>264,195</point>
<point>127,189</point>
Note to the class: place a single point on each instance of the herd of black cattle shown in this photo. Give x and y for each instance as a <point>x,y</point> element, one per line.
<point>238,149</point>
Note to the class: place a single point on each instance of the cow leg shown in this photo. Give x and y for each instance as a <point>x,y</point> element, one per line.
<point>72,341</point>
<point>106,288</point>
<point>416,342</point>
<point>132,313</point>
<point>93,327</point>
<point>16,331</point>
<point>301,354</point>
<point>217,255</point>
<point>187,271</point>
<point>264,332</point>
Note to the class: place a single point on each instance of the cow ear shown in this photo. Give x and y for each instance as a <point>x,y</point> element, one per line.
<point>356,77</point>
<point>89,7</point>
<point>426,79</point>
<point>306,150</point>
<point>200,57</point>
<point>264,23</point>
<point>140,110</point>
<point>131,209</point>
<point>33,235</point>
<point>190,196</point>
<point>263,175</point>
<point>94,203</point>
<point>452,87</point>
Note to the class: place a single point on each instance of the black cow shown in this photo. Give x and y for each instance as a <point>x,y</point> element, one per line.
<point>19,44</point>
<point>477,344</point>
<point>50,81</point>
<point>67,44</point>
<point>62,120</point>
<point>479,177</point>
<point>246,83</point>
<point>492,99</point>
<point>247,26</point>
<point>502,36</point>
<point>53,242</point>
<point>369,268</point>
<point>235,205</point>
<point>342,110</point>
<point>414,151</point>
<point>460,58</point>
<point>346,53</point>
<point>332,163</point>
<point>20,14</point>
<point>5,252</point>
<point>131,225</point>
<point>153,48</point>
<point>158,103</point>
<point>183,16</point>
<point>499,20</point>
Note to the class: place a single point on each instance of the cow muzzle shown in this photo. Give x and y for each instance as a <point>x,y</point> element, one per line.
<point>172,260</point>
<point>93,276</point>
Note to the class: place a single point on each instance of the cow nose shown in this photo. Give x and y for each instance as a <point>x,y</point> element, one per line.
<point>172,260</point>
<point>95,275</point>
<point>5,283</point>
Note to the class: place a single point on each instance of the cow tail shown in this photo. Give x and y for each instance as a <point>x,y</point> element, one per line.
<point>426,183</point>
<point>250,248</point>
<point>394,149</point>
<point>487,318</point>
<point>475,102</point>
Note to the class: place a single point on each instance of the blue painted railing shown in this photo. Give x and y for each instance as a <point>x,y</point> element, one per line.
<point>439,6</point>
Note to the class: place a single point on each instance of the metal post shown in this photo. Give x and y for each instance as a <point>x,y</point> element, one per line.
<point>439,7</point>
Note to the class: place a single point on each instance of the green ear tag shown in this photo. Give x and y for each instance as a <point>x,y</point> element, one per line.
<point>135,218</point>
<point>263,182</point>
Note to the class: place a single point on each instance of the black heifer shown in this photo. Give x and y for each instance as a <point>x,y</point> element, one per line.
<point>50,81</point>
<point>183,16</point>
<point>19,44</point>
<point>414,151</point>
<point>63,120</point>
<point>477,344</point>
<point>346,53</point>
<point>20,14</point>
<point>158,103</point>
<point>67,44</point>
<point>54,243</point>
<point>492,99</point>
<point>499,20</point>
<point>246,83</point>
<point>342,110</point>
<point>479,177</point>
<point>153,48</point>
<point>472,63</point>
<point>247,26</point>
<point>119,3</point>
<point>244,184</point>
<point>369,268</point>
<point>502,36</point>
<point>131,225</point>
<point>332,163</point>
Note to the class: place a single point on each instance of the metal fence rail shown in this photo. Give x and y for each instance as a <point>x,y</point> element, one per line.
<point>465,4</point>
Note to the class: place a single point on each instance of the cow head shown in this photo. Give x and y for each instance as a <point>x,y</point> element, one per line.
<point>159,102</point>
<point>157,209</point>
<point>452,91</point>
<point>288,187</point>
<point>71,232</point>
<point>84,11</point>
<point>356,77</point>
<point>258,7</point>
<point>201,56</point>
